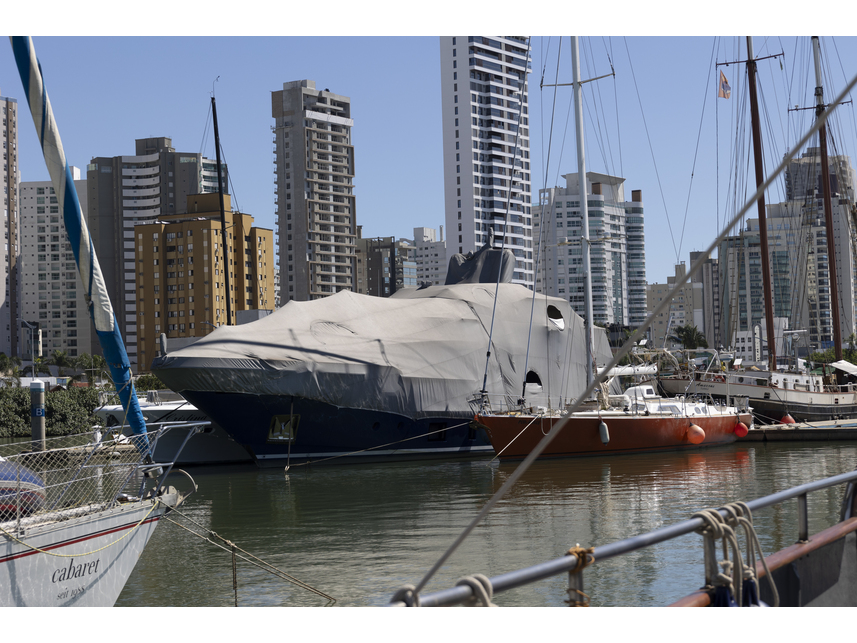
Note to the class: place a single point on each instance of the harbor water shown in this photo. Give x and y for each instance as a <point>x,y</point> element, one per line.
<point>359,532</point>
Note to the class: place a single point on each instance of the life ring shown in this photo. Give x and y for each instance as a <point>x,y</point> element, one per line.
<point>719,378</point>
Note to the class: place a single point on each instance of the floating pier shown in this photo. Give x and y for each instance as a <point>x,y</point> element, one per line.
<point>827,430</point>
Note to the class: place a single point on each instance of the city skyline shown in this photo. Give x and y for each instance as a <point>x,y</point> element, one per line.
<point>399,116</point>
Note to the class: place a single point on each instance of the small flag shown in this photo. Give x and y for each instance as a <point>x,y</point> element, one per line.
<point>725,91</point>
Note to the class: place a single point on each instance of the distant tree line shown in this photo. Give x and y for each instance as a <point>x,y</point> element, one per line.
<point>66,411</point>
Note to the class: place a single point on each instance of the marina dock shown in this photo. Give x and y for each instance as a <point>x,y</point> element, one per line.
<point>830,430</point>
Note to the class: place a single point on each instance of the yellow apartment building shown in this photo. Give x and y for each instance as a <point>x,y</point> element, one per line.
<point>181,272</point>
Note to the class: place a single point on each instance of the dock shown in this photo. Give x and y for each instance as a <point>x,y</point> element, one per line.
<point>826,430</point>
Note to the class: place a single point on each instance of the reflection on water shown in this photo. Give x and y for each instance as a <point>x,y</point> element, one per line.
<point>360,532</point>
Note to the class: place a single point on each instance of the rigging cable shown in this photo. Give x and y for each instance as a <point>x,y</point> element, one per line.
<point>695,153</point>
<point>616,108</point>
<point>651,150</point>
<point>522,91</point>
<point>544,220</point>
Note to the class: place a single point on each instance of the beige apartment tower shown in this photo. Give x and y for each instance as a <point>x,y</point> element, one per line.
<point>181,272</point>
<point>315,204</point>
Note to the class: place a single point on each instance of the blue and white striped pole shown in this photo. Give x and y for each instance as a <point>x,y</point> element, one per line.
<point>97,298</point>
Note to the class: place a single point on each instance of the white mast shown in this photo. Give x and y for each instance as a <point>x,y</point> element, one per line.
<point>584,212</point>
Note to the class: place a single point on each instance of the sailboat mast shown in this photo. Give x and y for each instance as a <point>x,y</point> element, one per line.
<point>763,225</point>
<point>584,212</point>
<point>224,236</point>
<point>828,208</point>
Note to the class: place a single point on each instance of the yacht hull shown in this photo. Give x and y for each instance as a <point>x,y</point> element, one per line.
<point>515,436</point>
<point>281,430</point>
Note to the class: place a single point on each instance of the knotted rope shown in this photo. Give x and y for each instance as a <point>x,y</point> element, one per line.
<point>739,513</point>
<point>585,558</point>
<point>483,591</point>
<point>408,595</point>
<point>716,528</point>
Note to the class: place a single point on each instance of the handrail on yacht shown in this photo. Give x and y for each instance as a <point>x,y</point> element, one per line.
<point>464,593</point>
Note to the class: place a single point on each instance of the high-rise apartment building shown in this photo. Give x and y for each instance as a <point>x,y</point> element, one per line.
<point>616,243</point>
<point>9,179</point>
<point>52,296</point>
<point>686,308</point>
<point>430,256</point>
<point>709,276</point>
<point>798,256</point>
<point>181,272</point>
<point>316,208</point>
<point>388,265</point>
<point>124,191</point>
<point>486,146</point>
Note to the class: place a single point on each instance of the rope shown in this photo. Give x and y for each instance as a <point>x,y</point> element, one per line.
<point>483,591</point>
<point>380,446</point>
<point>715,529</point>
<point>585,557</point>
<point>408,595</point>
<point>537,417</point>
<point>44,551</point>
<point>246,556</point>
<point>744,517</point>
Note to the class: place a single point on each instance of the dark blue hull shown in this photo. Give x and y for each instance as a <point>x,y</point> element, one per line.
<point>281,430</point>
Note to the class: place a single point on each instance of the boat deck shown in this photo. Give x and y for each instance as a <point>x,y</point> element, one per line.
<point>828,430</point>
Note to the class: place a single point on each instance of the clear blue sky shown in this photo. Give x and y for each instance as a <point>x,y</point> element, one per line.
<point>108,91</point>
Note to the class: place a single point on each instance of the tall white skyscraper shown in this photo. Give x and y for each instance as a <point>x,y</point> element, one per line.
<point>52,296</point>
<point>617,244</point>
<point>486,146</point>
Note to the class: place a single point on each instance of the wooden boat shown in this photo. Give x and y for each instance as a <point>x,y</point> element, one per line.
<point>775,395</point>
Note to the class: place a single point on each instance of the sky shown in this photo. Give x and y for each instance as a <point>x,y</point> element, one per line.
<point>657,122</point>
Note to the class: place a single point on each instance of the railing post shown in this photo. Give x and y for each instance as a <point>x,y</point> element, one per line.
<point>576,597</point>
<point>802,519</point>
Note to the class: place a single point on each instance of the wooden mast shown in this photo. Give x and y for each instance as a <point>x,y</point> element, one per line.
<point>828,208</point>
<point>763,225</point>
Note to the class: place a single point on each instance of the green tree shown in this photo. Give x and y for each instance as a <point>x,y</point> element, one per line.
<point>689,337</point>
<point>62,361</point>
<point>66,412</point>
<point>148,382</point>
<point>10,370</point>
<point>93,367</point>
<point>41,366</point>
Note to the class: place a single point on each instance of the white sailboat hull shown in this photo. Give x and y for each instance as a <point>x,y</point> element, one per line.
<point>84,561</point>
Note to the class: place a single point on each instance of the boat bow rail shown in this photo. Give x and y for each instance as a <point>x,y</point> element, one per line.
<point>468,592</point>
<point>75,475</point>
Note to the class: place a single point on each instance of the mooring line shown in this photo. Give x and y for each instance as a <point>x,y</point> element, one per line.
<point>258,562</point>
<point>380,446</point>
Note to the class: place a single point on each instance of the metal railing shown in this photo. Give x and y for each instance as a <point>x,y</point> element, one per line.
<point>461,594</point>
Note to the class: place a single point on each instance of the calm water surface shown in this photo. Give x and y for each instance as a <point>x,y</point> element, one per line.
<point>360,532</point>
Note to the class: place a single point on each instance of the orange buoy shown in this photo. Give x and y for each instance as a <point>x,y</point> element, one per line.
<point>695,434</point>
<point>787,419</point>
<point>741,430</point>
